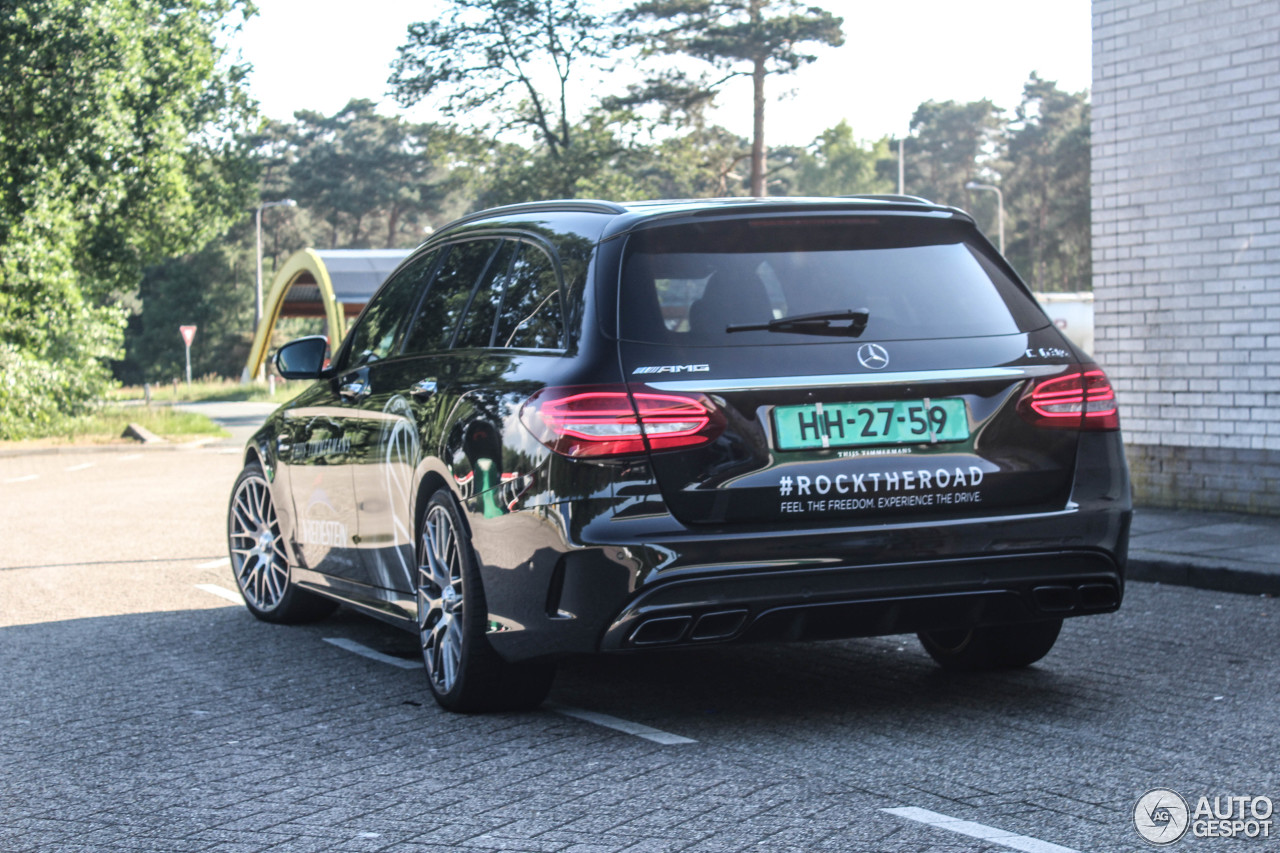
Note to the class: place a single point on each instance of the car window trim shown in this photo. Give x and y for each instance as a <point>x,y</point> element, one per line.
<point>554,257</point>
<point>502,234</point>
<point>339,363</point>
<point>499,242</point>
<point>539,242</point>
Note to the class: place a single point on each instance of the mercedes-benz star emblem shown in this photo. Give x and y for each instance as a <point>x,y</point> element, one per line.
<point>873,356</point>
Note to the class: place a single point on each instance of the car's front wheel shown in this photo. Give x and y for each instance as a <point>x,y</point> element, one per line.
<point>991,646</point>
<point>258,557</point>
<point>463,670</point>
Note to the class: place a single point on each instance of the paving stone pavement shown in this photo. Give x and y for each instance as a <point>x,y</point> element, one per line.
<point>140,713</point>
<point>206,730</point>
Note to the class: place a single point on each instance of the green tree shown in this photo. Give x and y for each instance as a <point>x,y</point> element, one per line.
<point>836,164</point>
<point>119,128</point>
<point>206,289</point>
<point>362,180</point>
<point>375,180</point>
<point>1047,187</point>
<point>738,38</point>
<point>705,161</point>
<point>950,145</point>
<point>601,163</point>
<point>515,63</point>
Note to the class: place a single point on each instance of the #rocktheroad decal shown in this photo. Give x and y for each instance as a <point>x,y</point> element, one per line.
<point>1162,816</point>
<point>881,489</point>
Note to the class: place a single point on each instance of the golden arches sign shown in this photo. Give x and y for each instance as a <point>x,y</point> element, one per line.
<point>303,264</point>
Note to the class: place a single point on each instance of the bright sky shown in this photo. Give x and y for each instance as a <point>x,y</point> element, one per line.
<point>318,54</point>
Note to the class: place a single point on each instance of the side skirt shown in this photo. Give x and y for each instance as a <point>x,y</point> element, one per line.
<point>390,606</point>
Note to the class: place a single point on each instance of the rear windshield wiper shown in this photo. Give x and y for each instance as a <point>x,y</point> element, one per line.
<point>834,323</point>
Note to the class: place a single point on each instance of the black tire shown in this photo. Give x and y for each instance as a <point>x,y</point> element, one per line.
<point>258,557</point>
<point>992,646</point>
<point>464,672</point>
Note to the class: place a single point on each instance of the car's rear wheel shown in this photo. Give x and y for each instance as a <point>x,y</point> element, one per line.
<point>991,646</point>
<point>258,557</point>
<point>463,670</point>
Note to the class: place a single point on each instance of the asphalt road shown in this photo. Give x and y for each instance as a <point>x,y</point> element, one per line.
<point>141,711</point>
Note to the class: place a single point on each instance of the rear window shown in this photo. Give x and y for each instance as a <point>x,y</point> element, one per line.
<point>916,278</point>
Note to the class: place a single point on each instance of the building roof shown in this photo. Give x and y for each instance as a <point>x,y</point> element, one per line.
<point>357,273</point>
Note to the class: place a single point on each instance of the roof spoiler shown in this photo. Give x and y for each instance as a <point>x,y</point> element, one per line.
<point>890,197</point>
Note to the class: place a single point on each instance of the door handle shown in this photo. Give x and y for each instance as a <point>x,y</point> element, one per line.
<point>424,389</point>
<point>355,388</point>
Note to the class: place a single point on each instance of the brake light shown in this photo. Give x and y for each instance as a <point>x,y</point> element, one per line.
<point>1080,399</point>
<point>594,421</point>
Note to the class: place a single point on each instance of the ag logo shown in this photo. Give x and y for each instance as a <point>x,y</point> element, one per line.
<point>873,356</point>
<point>1161,816</point>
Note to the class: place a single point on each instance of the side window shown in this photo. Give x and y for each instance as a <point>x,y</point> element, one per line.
<point>375,333</point>
<point>447,297</point>
<point>530,315</point>
<point>477,325</point>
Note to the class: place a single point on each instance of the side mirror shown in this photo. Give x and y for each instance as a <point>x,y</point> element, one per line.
<point>304,358</point>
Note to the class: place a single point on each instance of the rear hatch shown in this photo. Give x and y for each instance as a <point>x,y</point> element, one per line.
<point>850,367</point>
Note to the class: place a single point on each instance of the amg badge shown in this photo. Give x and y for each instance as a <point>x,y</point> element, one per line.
<point>672,368</point>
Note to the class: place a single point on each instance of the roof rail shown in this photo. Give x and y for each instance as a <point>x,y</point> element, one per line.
<point>560,205</point>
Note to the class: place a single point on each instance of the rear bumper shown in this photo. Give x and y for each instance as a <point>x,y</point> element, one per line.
<point>868,600</point>
<point>624,574</point>
<point>691,588</point>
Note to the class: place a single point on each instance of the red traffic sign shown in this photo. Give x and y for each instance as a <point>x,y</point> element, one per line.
<point>188,334</point>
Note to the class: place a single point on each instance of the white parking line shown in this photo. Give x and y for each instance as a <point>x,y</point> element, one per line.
<point>977,830</point>
<point>366,652</point>
<point>221,592</point>
<point>81,466</point>
<point>215,564</point>
<point>625,726</point>
<point>25,479</point>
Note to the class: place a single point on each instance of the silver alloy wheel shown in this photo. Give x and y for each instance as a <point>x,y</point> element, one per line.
<point>440,599</point>
<point>257,552</point>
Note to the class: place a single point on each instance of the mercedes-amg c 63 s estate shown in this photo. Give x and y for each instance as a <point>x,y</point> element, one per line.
<point>579,427</point>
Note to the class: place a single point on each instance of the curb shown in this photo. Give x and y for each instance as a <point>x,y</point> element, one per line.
<point>142,434</point>
<point>132,447</point>
<point>1244,579</point>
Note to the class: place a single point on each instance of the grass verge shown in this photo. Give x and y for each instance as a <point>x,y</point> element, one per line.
<point>107,425</point>
<point>212,390</point>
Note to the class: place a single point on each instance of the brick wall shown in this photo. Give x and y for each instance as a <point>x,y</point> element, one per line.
<point>1186,243</point>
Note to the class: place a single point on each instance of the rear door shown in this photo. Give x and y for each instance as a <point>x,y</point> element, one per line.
<point>904,402</point>
<point>408,395</point>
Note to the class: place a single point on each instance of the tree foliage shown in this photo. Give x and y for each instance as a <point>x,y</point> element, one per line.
<point>362,180</point>
<point>1047,184</point>
<point>375,180</point>
<point>118,145</point>
<point>836,164</point>
<point>950,145</point>
<point>752,38</point>
<point>516,60</point>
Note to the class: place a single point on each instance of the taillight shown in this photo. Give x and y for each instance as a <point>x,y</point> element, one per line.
<point>1079,399</point>
<point>593,421</point>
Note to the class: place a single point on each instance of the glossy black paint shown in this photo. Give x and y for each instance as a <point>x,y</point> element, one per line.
<point>577,556</point>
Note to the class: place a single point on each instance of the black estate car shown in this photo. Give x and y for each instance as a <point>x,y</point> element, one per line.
<point>572,427</point>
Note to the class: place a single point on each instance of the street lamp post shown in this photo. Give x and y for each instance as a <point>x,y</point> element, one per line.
<point>257,304</point>
<point>902,169</point>
<point>974,185</point>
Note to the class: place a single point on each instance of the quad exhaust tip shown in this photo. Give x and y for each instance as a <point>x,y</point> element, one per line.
<point>1063,598</point>
<point>718,625</point>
